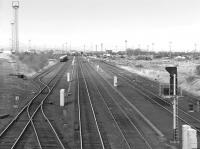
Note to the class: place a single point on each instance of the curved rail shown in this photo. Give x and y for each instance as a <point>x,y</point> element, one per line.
<point>33,115</point>
<point>21,114</point>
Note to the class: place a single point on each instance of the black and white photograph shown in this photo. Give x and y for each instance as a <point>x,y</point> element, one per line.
<point>99,74</point>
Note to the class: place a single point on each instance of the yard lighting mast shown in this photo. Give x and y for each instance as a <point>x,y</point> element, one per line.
<point>84,48</point>
<point>101,47</point>
<point>12,36</point>
<point>15,5</point>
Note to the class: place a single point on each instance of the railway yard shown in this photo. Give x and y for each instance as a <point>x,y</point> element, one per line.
<point>96,114</point>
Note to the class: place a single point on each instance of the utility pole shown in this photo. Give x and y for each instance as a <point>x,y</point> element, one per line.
<point>170,49</point>
<point>126,44</point>
<point>70,46</point>
<point>29,45</point>
<point>15,5</point>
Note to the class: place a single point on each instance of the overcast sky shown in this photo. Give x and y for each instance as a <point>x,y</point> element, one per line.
<point>111,22</point>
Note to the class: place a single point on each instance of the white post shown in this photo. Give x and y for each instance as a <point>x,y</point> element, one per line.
<point>62,97</point>
<point>115,81</point>
<point>97,67</point>
<point>175,131</point>
<point>68,77</point>
<point>185,136</point>
<point>16,103</point>
<point>192,137</point>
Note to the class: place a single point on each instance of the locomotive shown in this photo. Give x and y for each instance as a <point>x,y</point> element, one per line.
<point>63,58</point>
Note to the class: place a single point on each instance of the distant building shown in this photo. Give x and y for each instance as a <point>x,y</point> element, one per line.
<point>58,52</point>
<point>108,51</point>
<point>1,50</point>
<point>6,51</point>
<point>33,51</point>
<point>180,58</point>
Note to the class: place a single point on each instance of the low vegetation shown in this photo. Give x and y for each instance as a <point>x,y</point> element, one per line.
<point>34,61</point>
<point>190,79</point>
<point>198,69</point>
<point>139,66</point>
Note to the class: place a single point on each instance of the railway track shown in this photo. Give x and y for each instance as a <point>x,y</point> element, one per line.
<point>128,128</point>
<point>153,86</point>
<point>183,115</point>
<point>15,134</point>
<point>89,133</point>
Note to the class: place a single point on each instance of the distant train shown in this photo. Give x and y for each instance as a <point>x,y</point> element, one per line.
<point>63,58</point>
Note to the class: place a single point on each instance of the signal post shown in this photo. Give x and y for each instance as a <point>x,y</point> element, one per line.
<point>173,94</point>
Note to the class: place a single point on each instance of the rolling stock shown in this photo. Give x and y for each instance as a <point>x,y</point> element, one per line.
<point>63,58</point>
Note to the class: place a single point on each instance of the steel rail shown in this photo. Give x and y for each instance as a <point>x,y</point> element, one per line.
<point>91,105</point>
<point>45,116</point>
<point>79,114</point>
<point>29,122</point>
<point>22,110</point>
<point>125,114</point>
<point>180,110</point>
<point>103,99</point>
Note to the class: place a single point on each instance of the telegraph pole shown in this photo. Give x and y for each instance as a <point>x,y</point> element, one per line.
<point>15,5</point>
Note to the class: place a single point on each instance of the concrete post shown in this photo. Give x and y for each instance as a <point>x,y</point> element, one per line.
<point>73,61</point>
<point>115,81</point>
<point>97,67</point>
<point>192,137</point>
<point>185,136</point>
<point>62,97</point>
<point>189,137</point>
<point>68,77</point>
<point>16,102</point>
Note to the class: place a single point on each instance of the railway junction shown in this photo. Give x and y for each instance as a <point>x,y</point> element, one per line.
<point>103,107</point>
